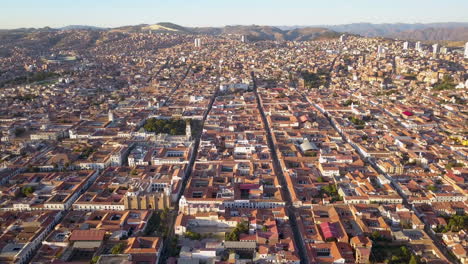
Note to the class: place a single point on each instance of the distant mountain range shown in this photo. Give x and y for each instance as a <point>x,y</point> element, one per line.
<point>72,27</point>
<point>450,31</point>
<point>253,32</point>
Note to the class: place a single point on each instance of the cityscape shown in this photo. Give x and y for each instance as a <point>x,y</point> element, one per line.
<point>165,143</point>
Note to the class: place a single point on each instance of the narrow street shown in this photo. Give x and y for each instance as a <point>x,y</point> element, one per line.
<point>174,211</point>
<point>291,211</point>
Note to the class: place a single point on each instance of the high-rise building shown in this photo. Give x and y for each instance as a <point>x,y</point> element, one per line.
<point>435,49</point>
<point>466,50</point>
<point>243,38</point>
<point>418,46</point>
<point>405,45</point>
<point>198,42</point>
<point>380,49</point>
<point>343,38</point>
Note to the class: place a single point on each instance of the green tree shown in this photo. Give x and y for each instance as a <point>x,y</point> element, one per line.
<point>447,83</point>
<point>95,259</point>
<point>405,253</point>
<point>28,190</point>
<point>242,227</point>
<point>169,126</point>
<point>192,235</point>
<point>413,260</point>
<point>118,248</point>
<point>375,236</point>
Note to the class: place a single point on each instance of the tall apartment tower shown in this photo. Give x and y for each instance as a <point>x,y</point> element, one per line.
<point>466,50</point>
<point>198,42</point>
<point>418,46</point>
<point>435,49</point>
<point>243,39</point>
<point>405,45</point>
<point>343,38</point>
<point>380,49</point>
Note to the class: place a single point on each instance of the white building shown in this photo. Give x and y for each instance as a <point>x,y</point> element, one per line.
<point>435,49</point>
<point>380,49</point>
<point>405,45</point>
<point>198,42</point>
<point>343,38</point>
<point>418,46</point>
<point>466,50</point>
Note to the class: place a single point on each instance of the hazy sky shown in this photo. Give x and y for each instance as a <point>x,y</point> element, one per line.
<point>110,13</point>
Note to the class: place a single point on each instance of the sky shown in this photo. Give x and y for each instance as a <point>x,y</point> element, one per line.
<point>112,13</point>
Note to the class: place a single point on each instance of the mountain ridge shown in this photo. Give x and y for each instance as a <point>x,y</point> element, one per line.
<point>443,31</point>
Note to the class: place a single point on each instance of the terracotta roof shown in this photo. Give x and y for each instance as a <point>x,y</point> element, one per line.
<point>329,230</point>
<point>87,235</point>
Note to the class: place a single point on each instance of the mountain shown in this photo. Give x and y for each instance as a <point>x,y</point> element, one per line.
<point>49,40</point>
<point>310,33</point>
<point>426,32</point>
<point>449,31</point>
<point>253,32</point>
<point>434,34</point>
<point>82,27</point>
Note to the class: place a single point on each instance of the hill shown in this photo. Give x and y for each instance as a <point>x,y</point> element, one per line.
<point>82,27</point>
<point>49,38</point>
<point>448,31</point>
<point>435,34</point>
<point>258,33</point>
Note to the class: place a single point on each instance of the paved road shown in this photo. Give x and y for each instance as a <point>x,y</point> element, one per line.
<point>291,211</point>
<point>174,212</point>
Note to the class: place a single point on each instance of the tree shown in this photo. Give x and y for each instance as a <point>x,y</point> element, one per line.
<point>95,259</point>
<point>456,223</point>
<point>164,214</point>
<point>174,248</point>
<point>28,190</point>
<point>264,228</point>
<point>405,252</point>
<point>232,236</point>
<point>447,83</point>
<point>169,126</point>
<point>153,223</point>
<point>192,235</point>
<point>19,131</point>
<point>320,179</point>
<point>242,227</point>
<point>375,235</point>
<point>117,249</point>
<point>413,260</point>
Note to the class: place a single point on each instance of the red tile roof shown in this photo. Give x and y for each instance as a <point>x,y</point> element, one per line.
<point>328,230</point>
<point>87,235</point>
